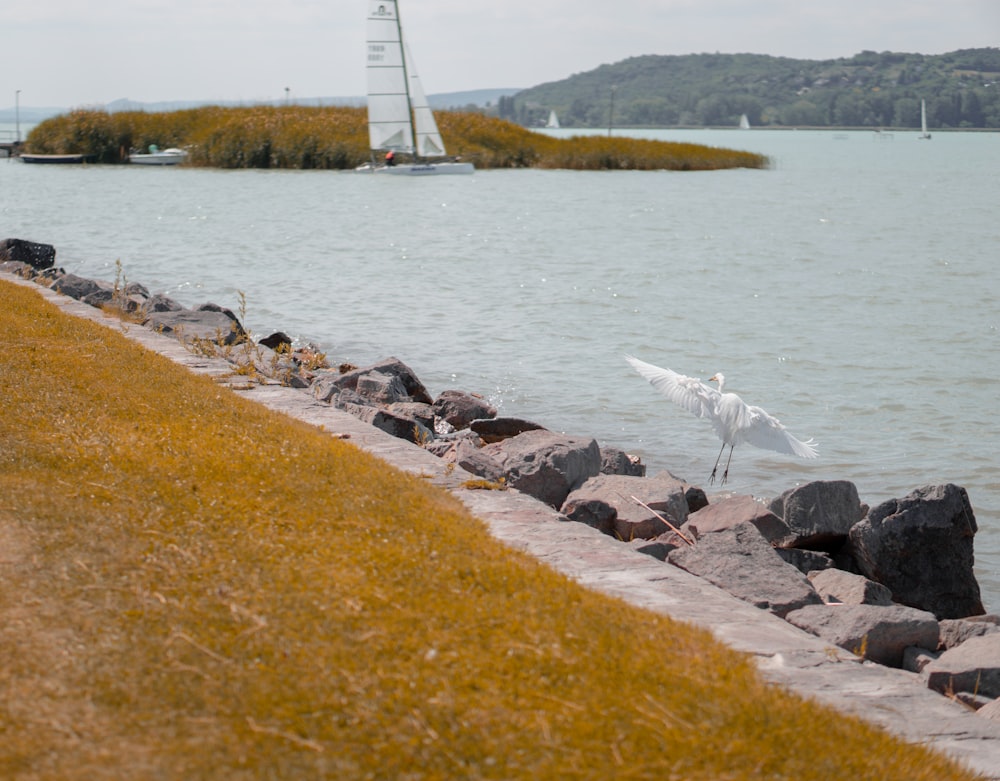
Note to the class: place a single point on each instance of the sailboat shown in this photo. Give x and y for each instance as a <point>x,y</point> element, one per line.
<point>924,135</point>
<point>400,120</point>
<point>553,120</point>
<point>744,122</point>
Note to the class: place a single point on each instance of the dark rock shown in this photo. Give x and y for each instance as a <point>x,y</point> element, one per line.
<point>213,325</point>
<point>819,514</point>
<point>493,430</point>
<point>973,666</point>
<point>605,502</point>
<point>458,408</point>
<point>544,464</point>
<point>731,512</point>
<point>79,287</point>
<point>805,561</point>
<point>416,411</point>
<point>161,303</point>
<point>876,632</point>
<point>397,425</point>
<point>835,585</point>
<point>660,547</point>
<point>696,499</point>
<point>615,461</point>
<point>381,388</point>
<point>38,256</point>
<point>393,367</point>
<point>921,548</point>
<point>743,563</point>
<point>276,340</point>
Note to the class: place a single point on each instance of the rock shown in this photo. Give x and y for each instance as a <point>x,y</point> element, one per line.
<point>819,514</point>
<point>875,632</point>
<point>835,585</point>
<point>381,388</point>
<point>921,548</point>
<point>276,340</point>
<point>79,287</point>
<point>743,563</point>
<point>660,547</point>
<point>416,411</point>
<point>615,461</point>
<point>990,711</point>
<point>544,464</point>
<point>974,666</point>
<point>209,322</point>
<point>161,303</point>
<point>397,425</point>
<point>916,659</point>
<point>458,408</point>
<point>493,430</point>
<point>605,502</point>
<point>731,512</point>
<point>805,561</point>
<point>393,367</point>
<point>38,256</point>
<point>955,631</point>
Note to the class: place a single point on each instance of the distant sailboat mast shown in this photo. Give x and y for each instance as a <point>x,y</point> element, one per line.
<point>924,135</point>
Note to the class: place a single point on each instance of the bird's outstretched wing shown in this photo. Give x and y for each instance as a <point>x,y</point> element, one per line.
<point>687,392</point>
<point>765,431</point>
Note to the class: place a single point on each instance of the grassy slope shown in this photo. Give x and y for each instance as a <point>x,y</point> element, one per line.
<point>196,587</point>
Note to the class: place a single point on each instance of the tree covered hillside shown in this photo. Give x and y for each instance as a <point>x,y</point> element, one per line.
<point>870,89</point>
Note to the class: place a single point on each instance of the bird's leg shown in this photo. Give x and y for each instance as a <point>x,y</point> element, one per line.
<point>711,480</point>
<point>725,475</point>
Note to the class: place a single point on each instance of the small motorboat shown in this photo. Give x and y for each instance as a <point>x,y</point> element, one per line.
<point>155,156</point>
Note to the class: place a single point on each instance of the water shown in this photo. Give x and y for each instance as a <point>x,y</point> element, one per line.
<point>850,290</point>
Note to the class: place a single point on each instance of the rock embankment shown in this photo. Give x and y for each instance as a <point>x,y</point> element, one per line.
<point>893,584</point>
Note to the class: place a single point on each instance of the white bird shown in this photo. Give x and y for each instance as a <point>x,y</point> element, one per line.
<point>733,419</point>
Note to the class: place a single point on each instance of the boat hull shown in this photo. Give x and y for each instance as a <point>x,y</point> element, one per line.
<point>167,157</point>
<point>419,169</point>
<point>56,159</point>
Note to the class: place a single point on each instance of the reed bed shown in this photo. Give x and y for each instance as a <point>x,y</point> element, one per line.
<point>196,587</point>
<point>336,138</point>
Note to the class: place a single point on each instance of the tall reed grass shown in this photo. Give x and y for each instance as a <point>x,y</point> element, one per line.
<point>336,138</point>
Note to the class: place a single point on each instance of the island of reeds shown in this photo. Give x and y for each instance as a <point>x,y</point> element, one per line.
<point>336,138</point>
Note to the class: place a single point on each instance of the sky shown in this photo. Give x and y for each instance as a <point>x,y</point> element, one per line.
<point>67,53</point>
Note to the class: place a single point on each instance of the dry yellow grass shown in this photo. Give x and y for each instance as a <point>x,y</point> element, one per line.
<point>195,587</point>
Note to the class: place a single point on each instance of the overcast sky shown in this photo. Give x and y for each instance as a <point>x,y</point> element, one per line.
<point>72,53</point>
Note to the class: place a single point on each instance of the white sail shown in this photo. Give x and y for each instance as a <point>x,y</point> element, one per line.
<point>744,122</point>
<point>389,125</point>
<point>429,143</point>
<point>553,120</point>
<point>923,120</point>
<point>399,117</point>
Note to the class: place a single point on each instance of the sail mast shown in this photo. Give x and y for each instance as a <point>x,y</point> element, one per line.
<point>406,79</point>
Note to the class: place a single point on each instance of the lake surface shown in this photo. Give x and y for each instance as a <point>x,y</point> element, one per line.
<point>851,290</point>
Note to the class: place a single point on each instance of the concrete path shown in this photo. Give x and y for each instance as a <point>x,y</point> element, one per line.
<point>896,700</point>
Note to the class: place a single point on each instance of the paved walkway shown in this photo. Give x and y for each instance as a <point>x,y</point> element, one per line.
<point>898,701</point>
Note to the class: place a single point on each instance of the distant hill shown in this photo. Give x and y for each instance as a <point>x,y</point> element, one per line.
<point>479,99</point>
<point>870,89</point>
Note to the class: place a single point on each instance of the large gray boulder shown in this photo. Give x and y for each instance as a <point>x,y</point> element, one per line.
<point>743,563</point>
<point>731,512</point>
<point>615,461</point>
<point>390,367</point>
<point>846,588</point>
<point>492,430</point>
<point>875,632</point>
<point>606,503</point>
<point>819,514</point>
<point>973,666</point>
<point>921,547</point>
<point>541,463</point>
<point>458,408</point>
